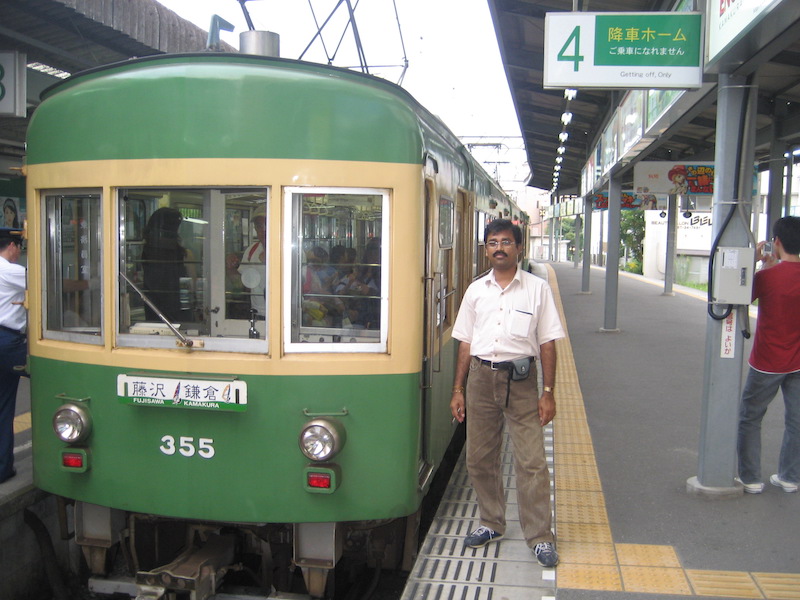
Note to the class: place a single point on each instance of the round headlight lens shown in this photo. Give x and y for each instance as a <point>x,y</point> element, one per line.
<point>321,439</point>
<point>72,423</point>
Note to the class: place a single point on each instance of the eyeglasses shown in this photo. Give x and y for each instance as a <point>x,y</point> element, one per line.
<point>503,243</point>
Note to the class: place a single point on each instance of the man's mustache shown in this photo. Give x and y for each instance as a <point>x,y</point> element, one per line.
<point>499,253</point>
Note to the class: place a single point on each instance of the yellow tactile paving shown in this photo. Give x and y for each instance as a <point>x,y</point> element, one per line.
<point>645,555</point>
<point>589,577</point>
<point>779,585</point>
<point>734,584</point>
<point>582,513</point>
<point>22,422</point>
<point>587,554</point>
<point>655,580</point>
<point>597,533</point>
<point>581,498</point>
<point>590,560</point>
<point>563,447</point>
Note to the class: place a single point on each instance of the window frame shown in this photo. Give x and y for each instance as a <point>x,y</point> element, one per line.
<point>212,263</point>
<point>292,235</point>
<point>49,261</point>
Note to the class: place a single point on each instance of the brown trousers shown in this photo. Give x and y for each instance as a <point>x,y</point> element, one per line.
<point>486,414</point>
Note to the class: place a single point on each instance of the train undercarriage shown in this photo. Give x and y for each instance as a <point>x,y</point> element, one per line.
<point>151,558</point>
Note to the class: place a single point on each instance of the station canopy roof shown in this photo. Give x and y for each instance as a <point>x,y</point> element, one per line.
<point>66,36</point>
<point>773,53</point>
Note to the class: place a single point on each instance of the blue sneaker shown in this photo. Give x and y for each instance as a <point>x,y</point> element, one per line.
<point>546,554</point>
<point>482,536</point>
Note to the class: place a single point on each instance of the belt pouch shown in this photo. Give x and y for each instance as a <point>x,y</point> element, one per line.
<point>521,369</point>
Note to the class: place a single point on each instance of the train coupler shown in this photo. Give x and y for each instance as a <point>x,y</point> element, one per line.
<point>198,570</point>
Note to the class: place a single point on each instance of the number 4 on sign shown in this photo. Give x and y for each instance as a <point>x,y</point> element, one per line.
<point>576,57</point>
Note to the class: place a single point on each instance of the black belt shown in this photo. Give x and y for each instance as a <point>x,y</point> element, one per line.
<point>500,366</point>
<point>506,365</point>
<point>9,330</point>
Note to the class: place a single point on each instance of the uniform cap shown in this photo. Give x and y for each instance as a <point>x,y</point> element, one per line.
<point>10,233</point>
<point>260,212</point>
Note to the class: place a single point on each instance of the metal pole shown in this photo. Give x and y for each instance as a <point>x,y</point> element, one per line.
<point>578,251</point>
<point>787,202</point>
<point>672,236</point>
<point>588,210</point>
<point>612,255</point>
<point>723,370</point>
<point>777,149</point>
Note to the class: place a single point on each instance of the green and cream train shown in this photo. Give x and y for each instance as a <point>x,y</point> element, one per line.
<point>243,275</point>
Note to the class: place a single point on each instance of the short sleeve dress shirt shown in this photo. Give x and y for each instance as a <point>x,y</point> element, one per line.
<point>12,289</point>
<point>506,324</point>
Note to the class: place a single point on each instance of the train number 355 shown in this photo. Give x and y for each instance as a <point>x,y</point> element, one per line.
<point>186,446</point>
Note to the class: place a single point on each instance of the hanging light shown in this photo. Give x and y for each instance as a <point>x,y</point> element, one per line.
<point>561,150</point>
<point>570,94</point>
<point>562,137</point>
<point>566,118</point>
<point>559,159</point>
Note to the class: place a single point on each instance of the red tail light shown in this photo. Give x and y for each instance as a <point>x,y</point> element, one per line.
<point>319,480</point>
<point>72,460</point>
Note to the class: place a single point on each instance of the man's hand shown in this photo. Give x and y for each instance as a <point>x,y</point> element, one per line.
<point>547,408</point>
<point>457,406</point>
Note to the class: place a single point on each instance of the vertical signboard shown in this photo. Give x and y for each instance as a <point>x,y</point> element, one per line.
<point>12,84</point>
<point>730,20</point>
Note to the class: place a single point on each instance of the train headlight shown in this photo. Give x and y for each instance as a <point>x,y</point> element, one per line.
<point>72,423</point>
<point>322,439</point>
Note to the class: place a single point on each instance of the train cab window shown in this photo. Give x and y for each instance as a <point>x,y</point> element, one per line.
<point>336,274</point>
<point>72,299</point>
<point>193,263</point>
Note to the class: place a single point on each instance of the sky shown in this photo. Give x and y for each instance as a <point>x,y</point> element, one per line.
<point>454,65</point>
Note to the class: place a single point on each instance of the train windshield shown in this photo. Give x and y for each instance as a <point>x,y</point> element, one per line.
<point>193,263</point>
<point>336,270</point>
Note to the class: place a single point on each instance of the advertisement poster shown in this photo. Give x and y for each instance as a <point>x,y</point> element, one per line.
<point>664,177</point>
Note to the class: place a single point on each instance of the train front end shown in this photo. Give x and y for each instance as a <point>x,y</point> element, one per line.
<point>225,281</point>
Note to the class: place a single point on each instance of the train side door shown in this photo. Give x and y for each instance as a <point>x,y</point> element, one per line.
<point>441,290</point>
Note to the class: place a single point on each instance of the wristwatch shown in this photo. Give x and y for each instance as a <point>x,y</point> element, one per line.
<point>547,388</point>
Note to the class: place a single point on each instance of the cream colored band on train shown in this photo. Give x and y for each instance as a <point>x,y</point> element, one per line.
<point>407,256</point>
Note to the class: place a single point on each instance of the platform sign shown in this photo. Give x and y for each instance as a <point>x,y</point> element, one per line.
<point>623,50</point>
<point>12,84</point>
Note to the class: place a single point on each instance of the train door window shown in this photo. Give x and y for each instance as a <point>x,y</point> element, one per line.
<point>193,264</point>
<point>73,256</point>
<point>444,267</point>
<point>482,264</point>
<point>336,270</point>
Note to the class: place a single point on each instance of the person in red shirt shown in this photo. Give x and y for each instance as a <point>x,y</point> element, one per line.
<point>774,360</point>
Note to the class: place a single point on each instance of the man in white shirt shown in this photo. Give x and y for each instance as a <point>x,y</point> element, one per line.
<point>251,265</point>
<point>508,316</point>
<point>13,343</point>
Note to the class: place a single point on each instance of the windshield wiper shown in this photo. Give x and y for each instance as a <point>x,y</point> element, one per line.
<point>182,338</point>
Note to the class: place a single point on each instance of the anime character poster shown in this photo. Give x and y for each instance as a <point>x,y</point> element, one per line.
<point>681,179</point>
<point>629,201</point>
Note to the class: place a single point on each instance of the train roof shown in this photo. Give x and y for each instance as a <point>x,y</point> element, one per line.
<point>171,106</point>
<point>167,83</point>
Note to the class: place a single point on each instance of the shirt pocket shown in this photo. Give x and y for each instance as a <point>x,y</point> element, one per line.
<point>520,324</point>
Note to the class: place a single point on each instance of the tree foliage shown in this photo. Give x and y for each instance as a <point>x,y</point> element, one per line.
<point>632,235</point>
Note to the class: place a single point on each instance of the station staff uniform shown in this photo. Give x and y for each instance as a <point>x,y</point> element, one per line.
<point>503,325</point>
<point>13,346</point>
